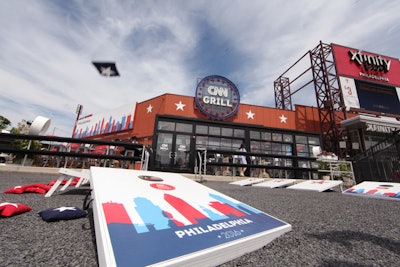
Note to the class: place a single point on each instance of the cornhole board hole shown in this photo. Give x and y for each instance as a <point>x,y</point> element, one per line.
<point>375,189</point>
<point>248,181</point>
<point>316,185</point>
<point>275,183</point>
<point>164,219</point>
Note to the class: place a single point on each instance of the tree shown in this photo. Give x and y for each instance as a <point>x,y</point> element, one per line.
<point>4,122</point>
<point>23,128</point>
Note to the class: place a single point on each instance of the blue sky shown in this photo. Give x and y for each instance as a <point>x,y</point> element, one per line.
<point>164,46</point>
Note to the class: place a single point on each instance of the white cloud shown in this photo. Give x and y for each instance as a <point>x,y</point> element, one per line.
<point>164,46</point>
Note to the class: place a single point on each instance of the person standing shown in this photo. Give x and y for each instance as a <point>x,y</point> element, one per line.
<point>243,159</point>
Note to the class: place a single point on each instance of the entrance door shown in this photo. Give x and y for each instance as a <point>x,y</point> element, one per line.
<point>173,152</point>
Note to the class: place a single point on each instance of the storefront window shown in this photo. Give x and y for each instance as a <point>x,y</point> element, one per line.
<point>184,127</point>
<point>166,126</point>
<point>201,129</point>
<point>266,136</point>
<point>228,132</point>
<point>287,138</point>
<point>277,137</point>
<point>214,130</point>
<point>255,146</point>
<point>238,133</point>
<point>255,135</point>
<point>201,142</point>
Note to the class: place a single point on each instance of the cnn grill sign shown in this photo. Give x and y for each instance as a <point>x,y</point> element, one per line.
<point>217,97</point>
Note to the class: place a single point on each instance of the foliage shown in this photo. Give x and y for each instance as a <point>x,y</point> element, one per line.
<point>4,122</point>
<point>23,128</point>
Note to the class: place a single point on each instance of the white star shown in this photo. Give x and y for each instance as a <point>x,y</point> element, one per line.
<point>250,115</point>
<point>106,71</point>
<point>179,105</point>
<point>283,118</point>
<point>149,108</point>
<point>61,209</point>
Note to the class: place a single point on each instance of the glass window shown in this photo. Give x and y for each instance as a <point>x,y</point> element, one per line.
<point>214,143</point>
<point>255,146</point>
<point>214,130</point>
<point>302,150</point>
<point>166,125</point>
<point>201,142</point>
<point>238,133</point>
<point>301,139</point>
<point>184,127</point>
<point>201,129</point>
<point>226,144</point>
<point>276,148</point>
<point>266,136</point>
<point>312,140</point>
<point>227,132</point>
<point>266,147</point>
<point>255,135</point>
<point>277,137</point>
<point>236,144</point>
<point>287,149</point>
<point>287,138</point>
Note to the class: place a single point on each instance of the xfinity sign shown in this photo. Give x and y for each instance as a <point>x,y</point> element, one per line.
<point>217,97</point>
<point>370,62</point>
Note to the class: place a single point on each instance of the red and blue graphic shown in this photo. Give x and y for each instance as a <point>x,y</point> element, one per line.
<point>376,189</point>
<point>171,218</point>
<point>224,221</point>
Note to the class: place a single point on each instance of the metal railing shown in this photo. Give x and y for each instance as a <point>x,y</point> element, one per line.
<point>6,146</point>
<point>228,159</point>
<point>380,162</point>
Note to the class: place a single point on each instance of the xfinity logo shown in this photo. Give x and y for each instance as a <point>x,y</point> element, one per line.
<point>370,62</point>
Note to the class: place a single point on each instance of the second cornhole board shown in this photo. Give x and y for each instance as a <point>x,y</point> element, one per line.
<point>248,181</point>
<point>275,183</point>
<point>316,185</point>
<point>375,189</point>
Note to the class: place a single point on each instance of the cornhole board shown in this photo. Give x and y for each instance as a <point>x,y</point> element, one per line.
<point>275,183</point>
<point>375,189</point>
<point>316,185</point>
<point>69,175</point>
<point>164,219</point>
<point>248,181</point>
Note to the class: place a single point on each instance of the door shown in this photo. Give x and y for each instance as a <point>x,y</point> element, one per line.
<point>173,152</point>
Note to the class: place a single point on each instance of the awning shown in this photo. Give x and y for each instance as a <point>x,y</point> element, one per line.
<point>372,123</point>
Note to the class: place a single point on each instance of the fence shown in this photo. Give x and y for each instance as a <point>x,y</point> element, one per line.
<point>225,163</point>
<point>380,162</point>
<point>132,152</point>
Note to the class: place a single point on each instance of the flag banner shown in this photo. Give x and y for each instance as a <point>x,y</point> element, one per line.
<point>10,209</point>
<point>248,181</point>
<point>108,69</point>
<point>62,213</point>
<point>375,189</point>
<point>165,219</point>
<point>316,185</point>
<point>275,183</point>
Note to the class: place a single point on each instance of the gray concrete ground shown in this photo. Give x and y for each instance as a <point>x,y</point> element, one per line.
<point>329,228</point>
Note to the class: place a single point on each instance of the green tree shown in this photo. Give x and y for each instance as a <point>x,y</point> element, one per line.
<point>23,128</point>
<point>4,122</point>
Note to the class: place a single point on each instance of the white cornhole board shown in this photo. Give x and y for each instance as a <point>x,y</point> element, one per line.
<point>316,185</point>
<point>248,181</point>
<point>164,219</point>
<point>69,175</point>
<point>275,183</point>
<point>375,189</point>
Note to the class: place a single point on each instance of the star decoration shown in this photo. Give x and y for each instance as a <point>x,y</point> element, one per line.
<point>283,118</point>
<point>180,105</point>
<point>61,209</point>
<point>149,108</point>
<point>107,71</point>
<point>250,115</point>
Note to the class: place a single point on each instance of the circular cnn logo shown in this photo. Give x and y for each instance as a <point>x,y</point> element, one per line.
<point>217,97</point>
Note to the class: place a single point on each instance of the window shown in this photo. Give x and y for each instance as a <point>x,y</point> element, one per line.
<point>166,126</point>
<point>201,129</point>
<point>255,135</point>
<point>238,133</point>
<point>214,130</point>
<point>184,127</point>
<point>228,132</point>
<point>266,136</point>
